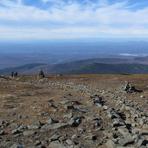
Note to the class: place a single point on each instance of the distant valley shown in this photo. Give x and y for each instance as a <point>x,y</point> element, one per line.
<point>75,57</point>
<point>128,65</point>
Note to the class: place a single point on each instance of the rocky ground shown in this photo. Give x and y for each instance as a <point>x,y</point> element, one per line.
<point>83,111</point>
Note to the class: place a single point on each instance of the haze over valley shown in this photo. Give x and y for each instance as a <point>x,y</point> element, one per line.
<point>71,56</point>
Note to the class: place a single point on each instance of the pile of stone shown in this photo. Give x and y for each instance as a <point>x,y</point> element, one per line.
<point>98,100</point>
<point>129,88</point>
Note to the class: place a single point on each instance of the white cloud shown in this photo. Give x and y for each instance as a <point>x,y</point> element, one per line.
<point>72,20</point>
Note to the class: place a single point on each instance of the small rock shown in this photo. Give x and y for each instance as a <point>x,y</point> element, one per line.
<point>118,122</point>
<point>68,115</point>
<point>69,142</point>
<point>105,107</point>
<point>142,142</point>
<point>19,129</point>
<point>126,141</point>
<point>2,132</point>
<point>54,137</point>
<point>97,122</point>
<point>54,126</point>
<point>17,146</point>
<point>35,125</point>
<point>76,121</point>
<point>52,121</point>
<point>56,144</point>
<point>97,100</point>
<point>51,104</point>
<point>37,143</point>
<point>110,144</point>
<point>29,133</point>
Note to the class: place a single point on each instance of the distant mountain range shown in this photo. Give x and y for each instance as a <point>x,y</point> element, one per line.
<point>90,66</point>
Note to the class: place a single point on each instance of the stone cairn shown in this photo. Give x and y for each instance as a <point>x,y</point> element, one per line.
<point>41,74</point>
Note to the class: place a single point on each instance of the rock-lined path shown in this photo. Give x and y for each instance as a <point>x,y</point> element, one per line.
<point>72,112</point>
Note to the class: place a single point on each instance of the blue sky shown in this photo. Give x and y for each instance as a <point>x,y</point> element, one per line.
<point>73,19</point>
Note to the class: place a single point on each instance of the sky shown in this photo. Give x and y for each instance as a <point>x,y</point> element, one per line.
<point>73,19</point>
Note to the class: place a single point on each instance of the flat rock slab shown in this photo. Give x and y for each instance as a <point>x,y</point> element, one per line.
<point>54,126</point>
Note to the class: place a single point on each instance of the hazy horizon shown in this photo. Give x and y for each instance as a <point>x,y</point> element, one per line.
<point>57,31</point>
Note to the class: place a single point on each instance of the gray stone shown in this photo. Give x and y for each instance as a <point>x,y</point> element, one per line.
<point>142,142</point>
<point>68,115</point>
<point>2,132</point>
<point>51,104</point>
<point>16,131</point>
<point>37,143</point>
<point>29,133</point>
<point>56,144</point>
<point>105,107</point>
<point>54,126</point>
<point>110,144</point>
<point>126,141</point>
<point>75,121</point>
<point>97,122</point>
<point>17,146</point>
<point>97,100</point>
<point>3,123</point>
<point>52,121</point>
<point>54,137</point>
<point>69,142</point>
<point>35,125</point>
<point>124,131</point>
<point>112,113</point>
<point>118,122</point>
<point>144,132</point>
<point>19,129</point>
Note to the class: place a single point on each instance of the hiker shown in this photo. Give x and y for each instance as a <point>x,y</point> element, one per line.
<point>15,74</point>
<point>12,74</point>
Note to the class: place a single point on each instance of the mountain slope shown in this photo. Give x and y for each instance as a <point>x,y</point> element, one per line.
<point>82,67</point>
<point>111,69</point>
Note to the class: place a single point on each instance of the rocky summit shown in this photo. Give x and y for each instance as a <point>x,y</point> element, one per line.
<point>74,111</point>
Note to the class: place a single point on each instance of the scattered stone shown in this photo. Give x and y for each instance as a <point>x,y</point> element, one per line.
<point>69,142</point>
<point>37,143</point>
<point>97,100</point>
<point>110,144</point>
<point>54,137</point>
<point>54,126</point>
<point>51,121</point>
<point>126,141</point>
<point>56,144</point>
<point>17,146</point>
<point>70,115</point>
<point>129,88</point>
<point>118,122</point>
<point>29,133</point>
<point>2,132</point>
<point>36,125</point>
<point>81,109</point>
<point>112,113</point>
<point>51,104</point>
<point>142,142</point>
<point>105,107</point>
<point>97,122</point>
<point>18,130</point>
<point>76,121</point>
<point>3,123</point>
